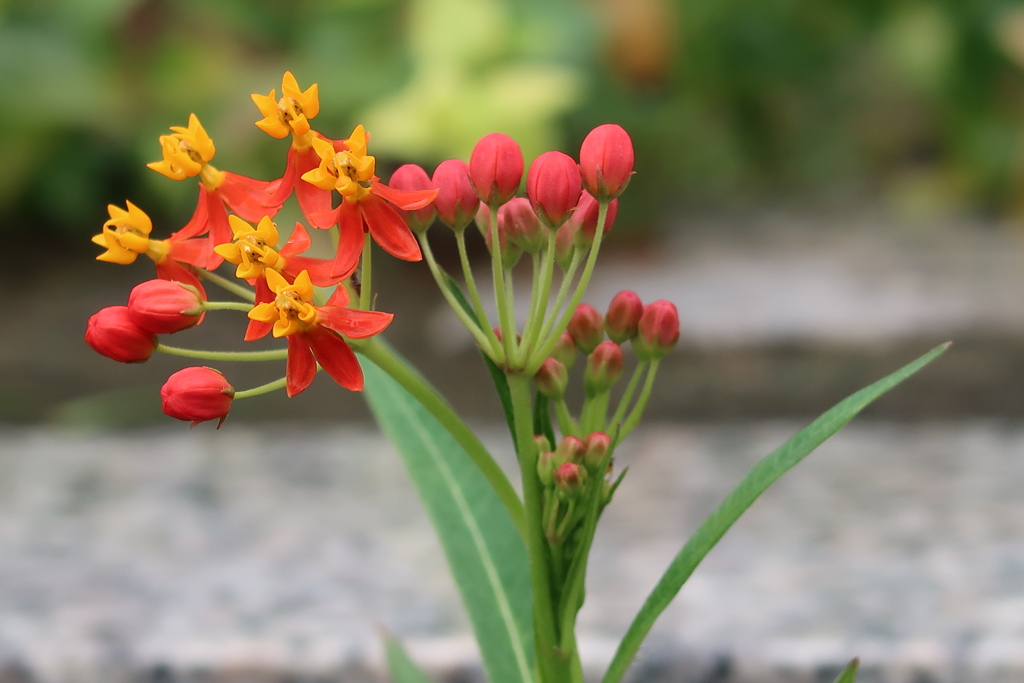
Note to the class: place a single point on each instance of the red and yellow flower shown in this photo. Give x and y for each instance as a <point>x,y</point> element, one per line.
<point>126,235</point>
<point>187,153</point>
<point>367,205</point>
<point>314,332</point>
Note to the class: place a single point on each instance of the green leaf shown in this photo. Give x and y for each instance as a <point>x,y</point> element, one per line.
<point>497,376</point>
<point>760,477</point>
<point>401,666</point>
<point>484,551</point>
<point>849,674</point>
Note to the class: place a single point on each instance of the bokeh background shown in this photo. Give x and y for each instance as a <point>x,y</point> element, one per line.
<point>914,108</point>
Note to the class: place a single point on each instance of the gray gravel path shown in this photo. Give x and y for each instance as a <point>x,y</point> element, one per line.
<point>277,554</point>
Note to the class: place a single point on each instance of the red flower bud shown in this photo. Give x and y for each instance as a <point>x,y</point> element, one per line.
<point>551,379</point>
<point>565,350</point>
<point>606,161</point>
<point>456,201</point>
<point>197,394</point>
<point>165,306</point>
<point>658,331</point>
<point>569,477</point>
<point>586,328</point>
<point>411,177</point>
<point>518,220</point>
<point>495,168</point>
<point>553,186</point>
<point>585,218</point>
<point>604,367</point>
<point>112,333</point>
<point>595,449</point>
<point>569,449</point>
<point>623,316</point>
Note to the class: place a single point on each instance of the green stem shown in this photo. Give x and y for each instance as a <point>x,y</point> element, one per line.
<point>566,424</point>
<point>366,275</point>
<point>271,354</point>
<point>229,285</point>
<point>505,323</point>
<point>627,396</point>
<point>386,360</point>
<point>563,290</point>
<point>492,348</point>
<point>227,306</point>
<point>535,323</point>
<point>553,663</point>
<point>263,388</point>
<point>641,402</point>
<point>581,288</point>
<point>474,293</point>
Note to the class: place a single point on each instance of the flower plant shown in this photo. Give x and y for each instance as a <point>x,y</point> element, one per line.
<point>519,560</point>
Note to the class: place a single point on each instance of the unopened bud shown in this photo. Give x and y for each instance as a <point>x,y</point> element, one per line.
<point>595,450</point>
<point>565,350</point>
<point>165,306</point>
<point>112,333</point>
<point>552,378</point>
<point>541,442</point>
<point>546,465</point>
<point>585,218</point>
<point>411,177</point>
<point>658,331</point>
<point>606,161</point>
<point>456,201</point>
<point>197,394</point>
<point>586,328</point>
<point>495,168</point>
<point>519,221</point>
<point>569,477</point>
<point>604,368</point>
<point>569,449</point>
<point>623,316</point>
<point>553,186</point>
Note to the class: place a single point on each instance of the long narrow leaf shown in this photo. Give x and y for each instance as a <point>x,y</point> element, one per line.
<point>849,674</point>
<point>400,664</point>
<point>760,477</point>
<point>484,551</point>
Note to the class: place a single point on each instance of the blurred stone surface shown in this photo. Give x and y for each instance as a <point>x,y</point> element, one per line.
<point>277,553</point>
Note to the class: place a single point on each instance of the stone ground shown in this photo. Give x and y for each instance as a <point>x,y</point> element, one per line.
<point>269,552</point>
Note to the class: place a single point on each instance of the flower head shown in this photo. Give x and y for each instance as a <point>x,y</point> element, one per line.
<point>125,235</point>
<point>252,249</point>
<point>291,113</point>
<point>314,332</point>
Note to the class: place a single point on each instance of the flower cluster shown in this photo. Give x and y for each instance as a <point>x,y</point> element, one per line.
<point>233,222</point>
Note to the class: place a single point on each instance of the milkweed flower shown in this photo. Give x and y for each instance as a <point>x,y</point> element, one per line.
<point>254,250</point>
<point>125,237</point>
<point>196,395</point>
<point>291,115</point>
<point>367,205</point>
<point>314,332</point>
<point>187,153</point>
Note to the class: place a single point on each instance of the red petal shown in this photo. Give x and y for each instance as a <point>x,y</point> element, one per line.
<point>248,197</point>
<point>389,230</point>
<point>301,366</point>
<point>198,224</point>
<point>325,219</point>
<point>320,270</point>
<point>194,252</point>
<point>297,243</point>
<point>350,240</point>
<point>258,329</point>
<point>408,200</point>
<point>335,356</point>
<point>220,231</point>
<point>339,297</point>
<point>353,323</point>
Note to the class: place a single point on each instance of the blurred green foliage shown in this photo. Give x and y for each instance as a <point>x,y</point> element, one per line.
<point>920,102</point>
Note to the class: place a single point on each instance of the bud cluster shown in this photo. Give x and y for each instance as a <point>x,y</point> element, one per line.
<point>575,475</point>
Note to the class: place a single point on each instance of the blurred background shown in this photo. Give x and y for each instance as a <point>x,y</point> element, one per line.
<point>773,126</point>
